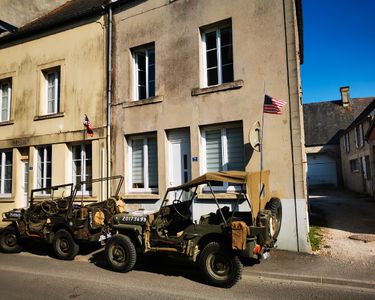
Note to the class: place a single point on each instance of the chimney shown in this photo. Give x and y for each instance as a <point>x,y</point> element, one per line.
<point>345,97</point>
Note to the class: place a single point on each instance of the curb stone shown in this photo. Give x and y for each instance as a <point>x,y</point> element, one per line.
<point>315,279</point>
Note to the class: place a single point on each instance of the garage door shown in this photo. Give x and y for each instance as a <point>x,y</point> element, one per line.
<point>321,170</point>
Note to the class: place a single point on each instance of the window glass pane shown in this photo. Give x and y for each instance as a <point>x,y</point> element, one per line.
<point>141,92</point>
<point>141,60</point>
<point>212,76</point>
<point>235,148</point>
<point>211,59</point>
<point>213,151</point>
<point>151,56</point>
<point>152,163</point>
<point>211,40</point>
<point>226,36</point>
<point>142,78</point>
<point>226,55</point>
<point>151,72</point>
<point>227,72</point>
<point>7,186</point>
<point>137,163</point>
<point>151,88</point>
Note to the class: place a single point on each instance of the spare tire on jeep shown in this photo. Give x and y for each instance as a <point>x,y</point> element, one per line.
<point>274,205</point>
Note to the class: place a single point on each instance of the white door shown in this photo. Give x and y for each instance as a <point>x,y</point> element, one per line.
<point>179,156</point>
<point>25,183</point>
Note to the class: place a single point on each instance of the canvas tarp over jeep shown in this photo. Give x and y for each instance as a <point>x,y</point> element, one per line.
<point>215,241</point>
<point>58,215</point>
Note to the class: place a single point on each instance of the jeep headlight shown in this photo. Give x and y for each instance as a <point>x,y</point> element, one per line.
<point>4,215</point>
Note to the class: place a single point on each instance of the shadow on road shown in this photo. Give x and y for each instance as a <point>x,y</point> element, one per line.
<point>342,210</point>
<point>158,264</point>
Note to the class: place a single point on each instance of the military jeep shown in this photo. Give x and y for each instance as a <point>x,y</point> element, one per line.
<point>58,215</point>
<point>215,241</point>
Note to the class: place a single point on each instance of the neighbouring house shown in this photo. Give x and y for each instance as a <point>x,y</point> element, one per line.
<point>358,152</point>
<point>52,73</point>
<point>189,83</point>
<point>324,121</point>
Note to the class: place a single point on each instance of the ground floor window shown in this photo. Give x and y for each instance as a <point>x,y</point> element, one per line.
<point>354,166</point>
<point>44,167</point>
<point>143,163</point>
<point>6,159</point>
<point>82,166</point>
<point>223,148</point>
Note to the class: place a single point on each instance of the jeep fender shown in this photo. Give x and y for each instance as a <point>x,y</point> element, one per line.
<point>134,232</point>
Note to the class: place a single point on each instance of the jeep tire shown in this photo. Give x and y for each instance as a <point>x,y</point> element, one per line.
<point>274,205</point>
<point>120,253</point>
<point>10,240</point>
<point>220,267</point>
<point>64,246</point>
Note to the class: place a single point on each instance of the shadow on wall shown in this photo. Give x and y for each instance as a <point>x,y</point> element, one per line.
<point>342,210</point>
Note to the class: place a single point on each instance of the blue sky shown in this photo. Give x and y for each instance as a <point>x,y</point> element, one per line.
<point>339,48</point>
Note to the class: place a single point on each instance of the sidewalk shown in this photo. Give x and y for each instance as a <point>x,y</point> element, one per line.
<point>314,268</point>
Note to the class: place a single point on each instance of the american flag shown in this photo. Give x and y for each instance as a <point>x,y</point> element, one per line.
<point>88,125</point>
<point>272,105</point>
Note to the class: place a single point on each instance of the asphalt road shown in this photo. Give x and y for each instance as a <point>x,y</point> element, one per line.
<point>29,276</point>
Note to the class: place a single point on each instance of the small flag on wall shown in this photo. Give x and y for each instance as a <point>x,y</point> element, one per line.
<point>88,125</point>
<point>272,105</point>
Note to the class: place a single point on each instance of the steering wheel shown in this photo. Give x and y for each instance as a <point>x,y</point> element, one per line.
<point>174,203</point>
<point>49,207</point>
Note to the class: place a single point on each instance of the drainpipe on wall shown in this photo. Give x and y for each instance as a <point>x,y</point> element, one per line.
<point>109,94</point>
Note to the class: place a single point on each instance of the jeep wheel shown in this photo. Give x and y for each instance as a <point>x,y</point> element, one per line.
<point>64,245</point>
<point>274,205</point>
<point>9,240</point>
<point>120,253</point>
<point>220,267</point>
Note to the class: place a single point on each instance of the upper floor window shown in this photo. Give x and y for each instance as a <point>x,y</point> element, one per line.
<point>143,163</point>
<point>82,166</point>
<point>358,136</point>
<point>6,159</point>
<point>144,67</point>
<point>346,143</point>
<point>217,55</point>
<point>5,99</point>
<point>52,91</point>
<point>44,167</point>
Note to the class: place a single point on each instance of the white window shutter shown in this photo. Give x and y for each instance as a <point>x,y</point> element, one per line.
<point>235,149</point>
<point>152,163</point>
<point>213,151</point>
<point>137,162</point>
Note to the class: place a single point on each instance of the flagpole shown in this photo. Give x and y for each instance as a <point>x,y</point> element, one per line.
<point>261,148</point>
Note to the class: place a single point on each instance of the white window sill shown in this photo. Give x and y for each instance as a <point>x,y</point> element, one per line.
<point>5,123</point>
<point>237,84</point>
<point>49,116</point>
<point>151,100</point>
<point>142,196</point>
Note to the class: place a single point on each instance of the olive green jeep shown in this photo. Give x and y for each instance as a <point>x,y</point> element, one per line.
<point>59,215</point>
<point>216,240</point>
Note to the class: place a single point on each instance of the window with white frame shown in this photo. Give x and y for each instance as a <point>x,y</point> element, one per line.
<point>143,164</point>
<point>144,69</point>
<point>354,165</point>
<point>44,167</point>
<point>5,99</point>
<point>82,166</point>
<point>52,91</point>
<point>346,143</point>
<point>6,159</point>
<point>223,148</point>
<point>358,136</point>
<point>217,55</point>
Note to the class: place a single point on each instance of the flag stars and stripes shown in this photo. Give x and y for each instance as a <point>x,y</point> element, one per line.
<point>273,105</point>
